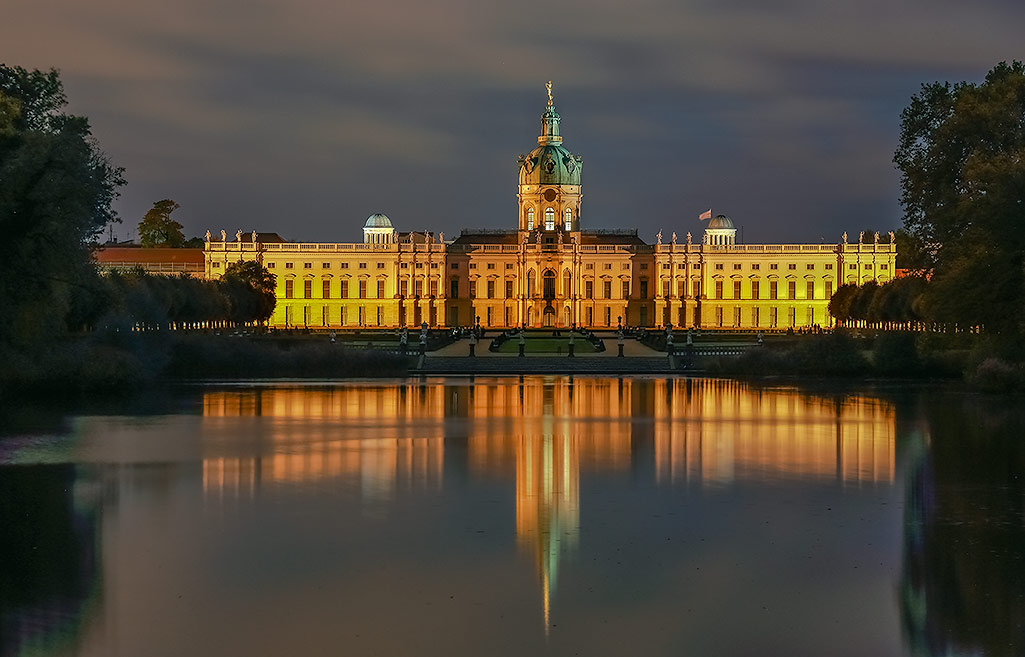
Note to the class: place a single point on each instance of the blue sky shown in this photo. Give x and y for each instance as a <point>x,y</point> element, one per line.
<point>305,117</point>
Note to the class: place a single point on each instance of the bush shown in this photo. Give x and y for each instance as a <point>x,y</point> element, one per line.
<point>896,353</point>
<point>996,375</point>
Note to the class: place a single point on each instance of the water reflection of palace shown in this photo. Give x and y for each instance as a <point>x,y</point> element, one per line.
<point>379,435</point>
<point>546,431</point>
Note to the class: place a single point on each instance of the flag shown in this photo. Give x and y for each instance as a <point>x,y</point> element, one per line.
<point>707,214</point>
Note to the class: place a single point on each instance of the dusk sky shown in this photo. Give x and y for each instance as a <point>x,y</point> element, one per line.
<point>305,117</point>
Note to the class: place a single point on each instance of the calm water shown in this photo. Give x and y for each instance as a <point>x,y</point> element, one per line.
<point>504,516</point>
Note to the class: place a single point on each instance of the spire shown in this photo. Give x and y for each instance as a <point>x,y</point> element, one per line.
<point>550,121</point>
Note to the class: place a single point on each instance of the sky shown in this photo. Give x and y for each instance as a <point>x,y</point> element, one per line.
<point>305,117</point>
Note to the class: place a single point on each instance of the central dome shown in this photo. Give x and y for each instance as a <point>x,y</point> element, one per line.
<point>550,164</point>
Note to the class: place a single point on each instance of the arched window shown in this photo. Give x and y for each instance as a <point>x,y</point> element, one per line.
<point>569,219</point>
<point>549,219</point>
<point>530,219</point>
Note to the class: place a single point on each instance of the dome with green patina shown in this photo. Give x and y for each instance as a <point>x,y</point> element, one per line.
<point>550,163</point>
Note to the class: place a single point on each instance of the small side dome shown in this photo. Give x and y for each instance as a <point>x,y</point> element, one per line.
<point>721,222</point>
<point>378,220</point>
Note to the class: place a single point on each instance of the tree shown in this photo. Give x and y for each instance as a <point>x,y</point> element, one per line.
<point>56,196</point>
<point>963,191</point>
<point>157,228</point>
<point>250,290</point>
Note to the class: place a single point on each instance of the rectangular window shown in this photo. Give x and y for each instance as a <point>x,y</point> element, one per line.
<point>829,289</point>
<point>792,289</point>
<point>607,266</point>
<point>308,288</point>
<point>419,265</point>
<point>491,265</point>
<point>362,265</point>
<point>380,315</point>
<point>644,289</point>
<point>325,265</point>
<point>792,266</point>
<point>644,266</point>
<point>454,266</point>
<point>509,266</point>
<point>718,266</point>
<point>217,265</point>
<point>868,266</point>
<point>626,289</point>
<point>665,288</point>
<point>343,265</point>
<point>403,265</point>
<point>589,289</point>
<point>270,265</point>
<point>884,267</point>
<point>418,288</point>
<point>288,265</point>
<point>403,288</point>
<point>380,265</point>
<point>736,267</point>
<point>307,265</point>
<point>755,290</point>
<point>607,289</point>
<point>491,291</point>
<point>773,266</point>
<point>810,292</point>
<point>718,289</point>
<point>756,266</point>
<point>589,265</point>
<point>773,290</point>
<point>363,289</point>
<point>626,266</point>
<point>667,266</point>
<point>810,267</point>
<point>434,288</point>
<point>829,265</point>
<point>853,266</point>
<point>344,291</point>
<point>508,293</point>
<point>326,288</point>
<point>289,288</point>
<point>697,289</point>
<point>736,316</point>
<point>681,288</point>
<point>697,265</point>
<point>736,289</point>
<point>490,315</point>
<point>380,289</point>
<point>453,288</point>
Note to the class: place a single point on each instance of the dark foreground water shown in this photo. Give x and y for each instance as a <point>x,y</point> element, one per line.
<point>504,516</point>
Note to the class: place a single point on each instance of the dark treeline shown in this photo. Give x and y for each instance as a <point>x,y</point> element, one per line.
<point>897,305</point>
<point>136,300</point>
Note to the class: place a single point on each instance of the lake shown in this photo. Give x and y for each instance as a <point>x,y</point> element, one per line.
<point>535,515</point>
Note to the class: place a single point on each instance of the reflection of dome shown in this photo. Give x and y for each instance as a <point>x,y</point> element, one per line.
<point>378,220</point>
<point>721,221</point>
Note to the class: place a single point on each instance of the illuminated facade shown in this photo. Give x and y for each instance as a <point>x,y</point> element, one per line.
<point>550,272</point>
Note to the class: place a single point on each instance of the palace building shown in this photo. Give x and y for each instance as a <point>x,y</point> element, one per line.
<point>549,271</point>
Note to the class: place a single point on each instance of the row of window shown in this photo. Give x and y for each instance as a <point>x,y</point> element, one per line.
<point>567,219</point>
<point>329,289</point>
<point>589,266</point>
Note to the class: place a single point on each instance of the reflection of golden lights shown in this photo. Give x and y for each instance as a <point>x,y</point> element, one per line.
<point>379,451</point>
<point>546,430</point>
